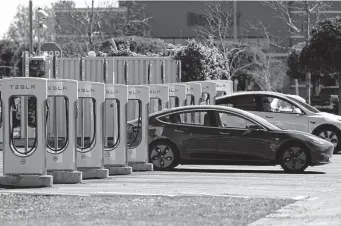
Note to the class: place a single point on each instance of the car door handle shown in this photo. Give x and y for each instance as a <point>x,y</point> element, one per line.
<point>225,133</point>
<point>269,116</point>
<point>179,131</point>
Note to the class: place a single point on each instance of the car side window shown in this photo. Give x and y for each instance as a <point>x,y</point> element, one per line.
<point>188,118</point>
<point>228,120</point>
<point>243,102</point>
<point>278,105</point>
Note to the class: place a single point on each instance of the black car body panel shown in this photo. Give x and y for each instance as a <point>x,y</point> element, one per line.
<point>213,144</point>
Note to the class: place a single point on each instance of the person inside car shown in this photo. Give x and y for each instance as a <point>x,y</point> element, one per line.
<point>266,105</point>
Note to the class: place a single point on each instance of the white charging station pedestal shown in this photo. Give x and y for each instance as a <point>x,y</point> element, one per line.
<point>177,95</point>
<point>137,129</point>
<point>61,134</point>
<point>224,87</point>
<point>24,159</point>
<point>90,161</point>
<point>194,92</point>
<point>194,96</point>
<point>159,94</point>
<point>115,134</point>
<point>209,92</point>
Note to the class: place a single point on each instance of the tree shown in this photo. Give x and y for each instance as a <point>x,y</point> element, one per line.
<point>254,65</point>
<point>307,14</point>
<point>215,24</point>
<point>135,21</point>
<point>97,23</point>
<point>322,53</point>
<point>200,62</point>
<point>299,17</point>
<point>271,76</point>
<point>19,28</point>
<point>7,49</point>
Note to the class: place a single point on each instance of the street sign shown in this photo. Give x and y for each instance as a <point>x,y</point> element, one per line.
<point>51,48</point>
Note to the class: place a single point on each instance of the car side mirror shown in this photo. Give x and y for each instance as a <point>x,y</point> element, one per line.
<point>297,111</point>
<point>254,127</point>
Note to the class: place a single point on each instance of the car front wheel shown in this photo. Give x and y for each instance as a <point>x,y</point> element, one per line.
<point>294,159</point>
<point>163,155</point>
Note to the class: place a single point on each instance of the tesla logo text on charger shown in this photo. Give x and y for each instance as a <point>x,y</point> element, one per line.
<point>86,90</point>
<point>22,86</point>
<point>154,91</point>
<point>108,91</point>
<point>173,90</point>
<point>206,88</point>
<point>189,89</point>
<point>135,92</point>
<point>54,88</point>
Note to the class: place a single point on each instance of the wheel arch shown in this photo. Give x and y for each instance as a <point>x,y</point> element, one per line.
<point>327,125</point>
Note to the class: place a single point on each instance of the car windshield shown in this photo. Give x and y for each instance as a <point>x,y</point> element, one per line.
<point>307,106</point>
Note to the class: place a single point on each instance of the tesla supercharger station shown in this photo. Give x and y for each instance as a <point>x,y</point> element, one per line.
<point>224,87</point>
<point>90,161</point>
<point>177,95</point>
<point>24,158</point>
<point>209,92</point>
<point>159,94</point>
<point>194,94</point>
<point>61,134</point>
<point>115,134</point>
<point>137,129</point>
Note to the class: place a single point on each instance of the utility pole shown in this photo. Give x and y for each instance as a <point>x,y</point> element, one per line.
<point>30,45</point>
<point>235,20</point>
<point>91,23</point>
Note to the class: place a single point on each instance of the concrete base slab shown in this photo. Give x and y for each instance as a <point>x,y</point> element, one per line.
<point>26,181</point>
<point>141,166</point>
<point>66,177</point>
<point>119,170</point>
<point>94,173</point>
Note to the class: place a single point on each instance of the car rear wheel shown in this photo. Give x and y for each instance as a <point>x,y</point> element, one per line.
<point>332,135</point>
<point>163,155</point>
<point>294,159</point>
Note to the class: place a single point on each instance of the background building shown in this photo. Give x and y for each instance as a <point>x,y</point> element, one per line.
<point>177,21</point>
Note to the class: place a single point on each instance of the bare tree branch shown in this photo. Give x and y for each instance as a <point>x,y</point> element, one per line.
<point>298,16</point>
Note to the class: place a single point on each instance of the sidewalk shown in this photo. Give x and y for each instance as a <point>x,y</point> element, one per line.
<point>315,211</point>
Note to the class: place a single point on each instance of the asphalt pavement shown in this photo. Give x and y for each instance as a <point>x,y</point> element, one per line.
<point>317,191</point>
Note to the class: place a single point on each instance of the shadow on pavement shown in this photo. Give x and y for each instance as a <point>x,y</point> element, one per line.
<point>238,171</point>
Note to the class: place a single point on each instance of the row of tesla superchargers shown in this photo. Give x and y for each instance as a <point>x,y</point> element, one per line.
<point>40,165</point>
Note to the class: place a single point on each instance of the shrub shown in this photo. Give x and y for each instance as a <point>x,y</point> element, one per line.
<point>199,62</point>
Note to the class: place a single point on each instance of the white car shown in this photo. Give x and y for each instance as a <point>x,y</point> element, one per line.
<point>287,112</point>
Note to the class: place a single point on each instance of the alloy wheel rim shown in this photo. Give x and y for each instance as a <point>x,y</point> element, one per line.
<point>294,158</point>
<point>162,156</point>
<point>329,136</point>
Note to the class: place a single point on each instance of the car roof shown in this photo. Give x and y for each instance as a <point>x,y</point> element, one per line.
<point>214,107</point>
<point>199,107</point>
<point>241,93</point>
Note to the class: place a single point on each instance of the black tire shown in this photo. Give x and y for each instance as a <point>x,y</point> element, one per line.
<point>163,155</point>
<point>331,134</point>
<point>294,158</point>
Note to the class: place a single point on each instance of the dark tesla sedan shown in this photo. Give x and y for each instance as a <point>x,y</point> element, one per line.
<point>212,135</point>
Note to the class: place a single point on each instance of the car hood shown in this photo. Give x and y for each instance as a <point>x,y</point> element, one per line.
<point>327,116</point>
<point>305,136</point>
